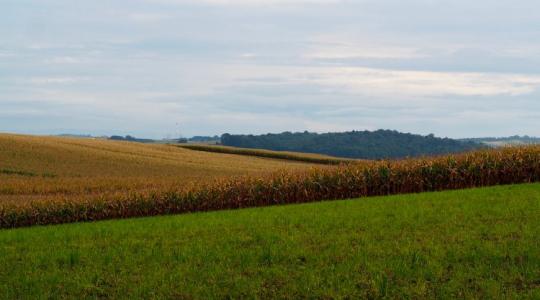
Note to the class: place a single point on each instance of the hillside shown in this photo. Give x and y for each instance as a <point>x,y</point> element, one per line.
<point>469,244</point>
<point>293,156</point>
<point>378,144</point>
<point>40,167</point>
<point>33,198</point>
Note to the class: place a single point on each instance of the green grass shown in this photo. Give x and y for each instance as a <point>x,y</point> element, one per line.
<point>480,243</point>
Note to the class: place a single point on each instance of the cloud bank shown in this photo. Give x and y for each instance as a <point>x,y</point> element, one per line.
<point>156,68</point>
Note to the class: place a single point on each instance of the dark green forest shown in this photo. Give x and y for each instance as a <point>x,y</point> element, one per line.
<point>378,144</point>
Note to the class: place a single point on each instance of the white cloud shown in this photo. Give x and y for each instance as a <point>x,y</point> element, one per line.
<point>63,60</point>
<point>6,54</point>
<point>389,83</point>
<point>333,126</point>
<point>56,80</point>
<point>272,65</point>
<point>343,45</point>
<point>148,17</point>
<point>247,2</point>
<point>355,51</point>
<point>422,83</point>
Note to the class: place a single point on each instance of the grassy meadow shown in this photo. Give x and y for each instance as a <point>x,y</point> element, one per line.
<point>468,244</point>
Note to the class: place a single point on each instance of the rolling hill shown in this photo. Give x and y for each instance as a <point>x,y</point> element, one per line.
<point>380,144</point>
<point>40,167</point>
<point>473,243</point>
<point>60,180</point>
<point>292,156</point>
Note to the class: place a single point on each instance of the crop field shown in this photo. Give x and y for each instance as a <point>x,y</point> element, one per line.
<point>466,244</point>
<point>293,156</point>
<point>158,184</point>
<point>38,168</point>
<point>471,243</point>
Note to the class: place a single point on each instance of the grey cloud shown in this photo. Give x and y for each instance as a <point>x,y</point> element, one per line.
<point>141,66</point>
<point>462,60</point>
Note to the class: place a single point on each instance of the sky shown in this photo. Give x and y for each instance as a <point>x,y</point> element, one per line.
<point>165,68</point>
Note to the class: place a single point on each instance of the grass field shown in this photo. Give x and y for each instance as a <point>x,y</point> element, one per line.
<point>33,167</point>
<point>474,244</point>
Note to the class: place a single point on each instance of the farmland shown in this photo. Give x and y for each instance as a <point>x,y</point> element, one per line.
<point>293,156</point>
<point>472,244</point>
<point>33,168</point>
<point>160,191</point>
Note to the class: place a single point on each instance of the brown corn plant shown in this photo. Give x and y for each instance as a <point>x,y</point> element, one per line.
<point>352,180</point>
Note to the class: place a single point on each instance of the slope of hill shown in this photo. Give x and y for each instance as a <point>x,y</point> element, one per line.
<point>162,196</point>
<point>293,156</point>
<point>36,167</point>
<point>469,244</point>
<point>355,144</point>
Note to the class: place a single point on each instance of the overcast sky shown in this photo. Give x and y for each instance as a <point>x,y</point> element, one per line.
<point>157,68</point>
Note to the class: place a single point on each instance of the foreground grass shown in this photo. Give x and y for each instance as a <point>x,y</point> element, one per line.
<point>480,243</point>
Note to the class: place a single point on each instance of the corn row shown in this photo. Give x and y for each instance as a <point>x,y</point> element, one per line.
<point>352,180</point>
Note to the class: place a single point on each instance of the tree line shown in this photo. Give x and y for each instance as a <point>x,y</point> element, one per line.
<point>378,144</point>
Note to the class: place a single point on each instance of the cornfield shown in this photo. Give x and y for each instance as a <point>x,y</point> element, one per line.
<point>35,168</point>
<point>353,180</point>
<point>292,156</point>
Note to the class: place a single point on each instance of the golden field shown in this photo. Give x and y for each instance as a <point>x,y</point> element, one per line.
<point>293,156</point>
<point>55,180</point>
<point>38,168</point>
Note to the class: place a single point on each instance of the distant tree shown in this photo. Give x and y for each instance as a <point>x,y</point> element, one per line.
<point>203,139</point>
<point>354,144</point>
<point>130,139</point>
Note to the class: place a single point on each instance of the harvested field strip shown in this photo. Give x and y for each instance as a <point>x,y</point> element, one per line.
<point>294,156</point>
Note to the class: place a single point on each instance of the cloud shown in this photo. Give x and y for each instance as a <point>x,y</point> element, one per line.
<point>382,82</point>
<point>350,46</point>
<point>450,67</point>
<point>419,83</point>
<point>63,60</point>
<point>56,80</point>
<point>6,54</point>
<point>148,17</point>
<point>355,51</point>
<point>246,2</point>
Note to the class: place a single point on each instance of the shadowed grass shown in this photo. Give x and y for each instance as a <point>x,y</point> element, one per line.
<point>480,243</point>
